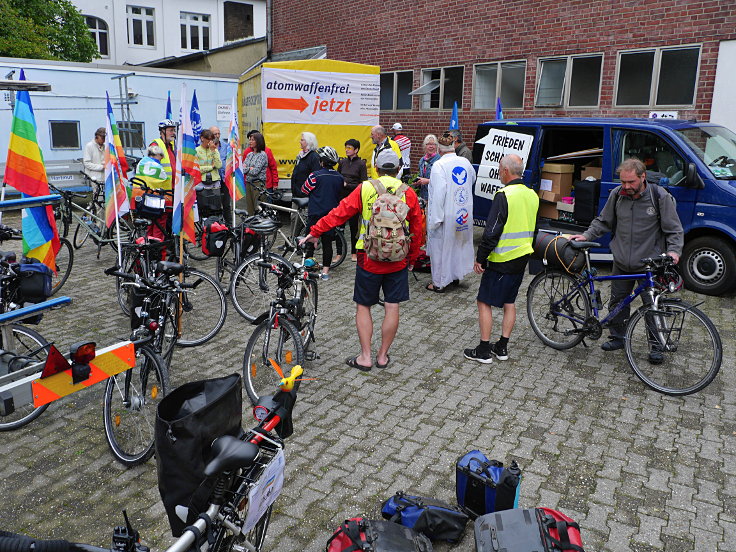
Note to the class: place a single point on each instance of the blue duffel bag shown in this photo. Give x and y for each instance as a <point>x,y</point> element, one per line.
<point>433,518</point>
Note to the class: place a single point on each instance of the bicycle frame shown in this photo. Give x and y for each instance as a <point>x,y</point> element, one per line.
<point>289,241</point>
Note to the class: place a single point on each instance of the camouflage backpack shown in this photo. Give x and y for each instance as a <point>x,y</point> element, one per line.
<point>387,235</point>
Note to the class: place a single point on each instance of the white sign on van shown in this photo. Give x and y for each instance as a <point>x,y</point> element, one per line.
<point>224,112</point>
<point>663,115</point>
<point>497,144</point>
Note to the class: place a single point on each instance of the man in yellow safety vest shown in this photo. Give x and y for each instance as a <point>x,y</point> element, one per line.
<point>502,256</point>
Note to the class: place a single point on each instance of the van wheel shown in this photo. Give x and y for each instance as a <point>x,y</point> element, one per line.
<point>709,265</point>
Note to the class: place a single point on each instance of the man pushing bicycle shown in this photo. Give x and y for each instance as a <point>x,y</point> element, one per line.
<point>643,222</point>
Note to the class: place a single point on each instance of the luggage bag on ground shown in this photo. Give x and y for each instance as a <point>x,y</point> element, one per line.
<point>365,535</point>
<point>434,518</point>
<point>527,530</point>
<point>484,486</point>
<point>188,420</point>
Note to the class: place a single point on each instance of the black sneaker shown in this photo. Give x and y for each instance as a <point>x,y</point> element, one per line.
<point>655,355</point>
<point>479,355</point>
<point>613,344</point>
<point>500,351</point>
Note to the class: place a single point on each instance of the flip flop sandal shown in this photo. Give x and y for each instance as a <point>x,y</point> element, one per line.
<point>353,363</point>
<point>388,360</point>
<point>430,287</point>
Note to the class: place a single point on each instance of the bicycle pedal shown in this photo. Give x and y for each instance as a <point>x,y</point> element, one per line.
<point>311,355</point>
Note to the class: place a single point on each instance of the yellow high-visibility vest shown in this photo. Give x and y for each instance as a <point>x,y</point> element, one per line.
<point>518,232</point>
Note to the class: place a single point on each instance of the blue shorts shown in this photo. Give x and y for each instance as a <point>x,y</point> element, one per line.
<point>497,289</point>
<point>395,286</point>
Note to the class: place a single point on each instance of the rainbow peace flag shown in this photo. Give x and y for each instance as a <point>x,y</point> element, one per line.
<point>186,175</point>
<point>25,171</point>
<point>233,162</point>
<point>116,171</point>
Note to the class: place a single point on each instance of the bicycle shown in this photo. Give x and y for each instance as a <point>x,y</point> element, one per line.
<point>284,335</point>
<point>64,257</point>
<point>91,222</point>
<point>671,346</point>
<point>241,467</point>
<point>131,398</point>
<point>298,217</point>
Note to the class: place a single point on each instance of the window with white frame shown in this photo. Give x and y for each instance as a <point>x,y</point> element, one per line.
<point>503,80</point>
<point>141,24</point>
<point>99,31</point>
<point>572,81</point>
<point>64,134</point>
<point>441,88</point>
<point>195,31</point>
<point>395,90</point>
<point>657,77</point>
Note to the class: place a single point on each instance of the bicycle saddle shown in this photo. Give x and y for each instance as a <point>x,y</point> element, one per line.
<point>241,212</point>
<point>7,256</point>
<point>169,268</point>
<point>301,202</point>
<point>583,244</point>
<point>230,453</point>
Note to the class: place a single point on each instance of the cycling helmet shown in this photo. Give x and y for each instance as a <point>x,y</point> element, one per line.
<point>328,154</point>
<point>166,123</point>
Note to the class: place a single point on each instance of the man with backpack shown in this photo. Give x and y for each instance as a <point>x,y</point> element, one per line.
<point>643,221</point>
<point>390,214</point>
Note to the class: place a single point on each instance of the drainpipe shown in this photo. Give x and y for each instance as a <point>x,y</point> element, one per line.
<point>269,28</point>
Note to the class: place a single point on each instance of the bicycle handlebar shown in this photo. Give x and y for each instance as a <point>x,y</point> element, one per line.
<point>142,185</point>
<point>142,281</point>
<point>67,193</point>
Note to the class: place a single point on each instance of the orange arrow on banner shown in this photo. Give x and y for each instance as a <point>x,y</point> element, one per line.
<point>287,103</point>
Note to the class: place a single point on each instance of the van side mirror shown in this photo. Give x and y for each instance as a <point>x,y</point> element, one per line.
<point>692,180</point>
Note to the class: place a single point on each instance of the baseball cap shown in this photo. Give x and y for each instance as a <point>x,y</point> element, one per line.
<point>387,159</point>
<point>397,126</point>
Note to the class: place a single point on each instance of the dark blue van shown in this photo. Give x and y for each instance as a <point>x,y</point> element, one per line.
<point>696,162</point>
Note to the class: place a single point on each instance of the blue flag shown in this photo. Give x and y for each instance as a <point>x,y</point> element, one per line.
<point>169,115</point>
<point>195,118</point>
<point>499,109</point>
<point>453,119</point>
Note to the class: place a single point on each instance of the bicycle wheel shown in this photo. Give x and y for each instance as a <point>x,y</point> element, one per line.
<point>31,345</point>
<point>64,262</point>
<point>675,349</point>
<point>252,287</point>
<point>340,248</point>
<point>129,410</point>
<point>81,232</point>
<point>204,309</point>
<point>283,345</point>
<point>557,310</point>
<point>309,313</point>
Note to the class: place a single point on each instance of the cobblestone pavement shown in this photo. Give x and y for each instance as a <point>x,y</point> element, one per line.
<point>639,470</point>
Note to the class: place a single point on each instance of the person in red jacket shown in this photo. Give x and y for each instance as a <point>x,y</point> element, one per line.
<point>272,171</point>
<point>371,276</point>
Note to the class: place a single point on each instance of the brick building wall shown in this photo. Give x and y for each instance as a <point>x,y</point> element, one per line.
<point>450,33</point>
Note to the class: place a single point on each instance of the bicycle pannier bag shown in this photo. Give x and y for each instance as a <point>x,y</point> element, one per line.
<point>250,242</point>
<point>365,535</point>
<point>529,530</point>
<point>433,518</point>
<point>484,486</point>
<point>136,305</point>
<point>557,252</point>
<point>387,235</point>
<point>150,206</point>
<point>188,420</point>
<point>209,201</point>
<point>35,282</point>
<point>214,237</point>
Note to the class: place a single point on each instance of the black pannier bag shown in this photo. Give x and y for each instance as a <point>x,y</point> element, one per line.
<point>483,486</point>
<point>209,201</point>
<point>214,237</point>
<point>557,252</point>
<point>32,286</point>
<point>434,518</point>
<point>135,306</point>
<point>188,420</point>
<point>587,197</point>
<point>367,535</point>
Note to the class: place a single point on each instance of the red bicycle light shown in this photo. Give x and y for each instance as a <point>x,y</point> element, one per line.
<point>82,353</point>
<point>153,325</point>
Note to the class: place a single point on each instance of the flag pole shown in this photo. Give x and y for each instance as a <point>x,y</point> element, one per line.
<point>231,191</point>
<point>2,198</point>
<point>117,218</point>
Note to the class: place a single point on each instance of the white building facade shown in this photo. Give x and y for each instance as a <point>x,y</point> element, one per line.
<point>140,31</point>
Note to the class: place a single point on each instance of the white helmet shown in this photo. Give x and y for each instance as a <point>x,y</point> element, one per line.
<point>328,154</point>
<point>166,123</point>
<point>397,126</point>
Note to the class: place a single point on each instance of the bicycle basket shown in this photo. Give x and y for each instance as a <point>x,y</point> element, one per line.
<point>188,420</point>
<point>150,206</point>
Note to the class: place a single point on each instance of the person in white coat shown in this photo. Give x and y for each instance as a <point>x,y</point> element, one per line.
<point>450,217</point>
<point>94,156</point>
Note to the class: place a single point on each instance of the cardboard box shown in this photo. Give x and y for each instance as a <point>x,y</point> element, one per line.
<point>549,196</point>
<point>548,210</point>
<point>557,178</point>
<point>595,172</point>
<point>565,207</point>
